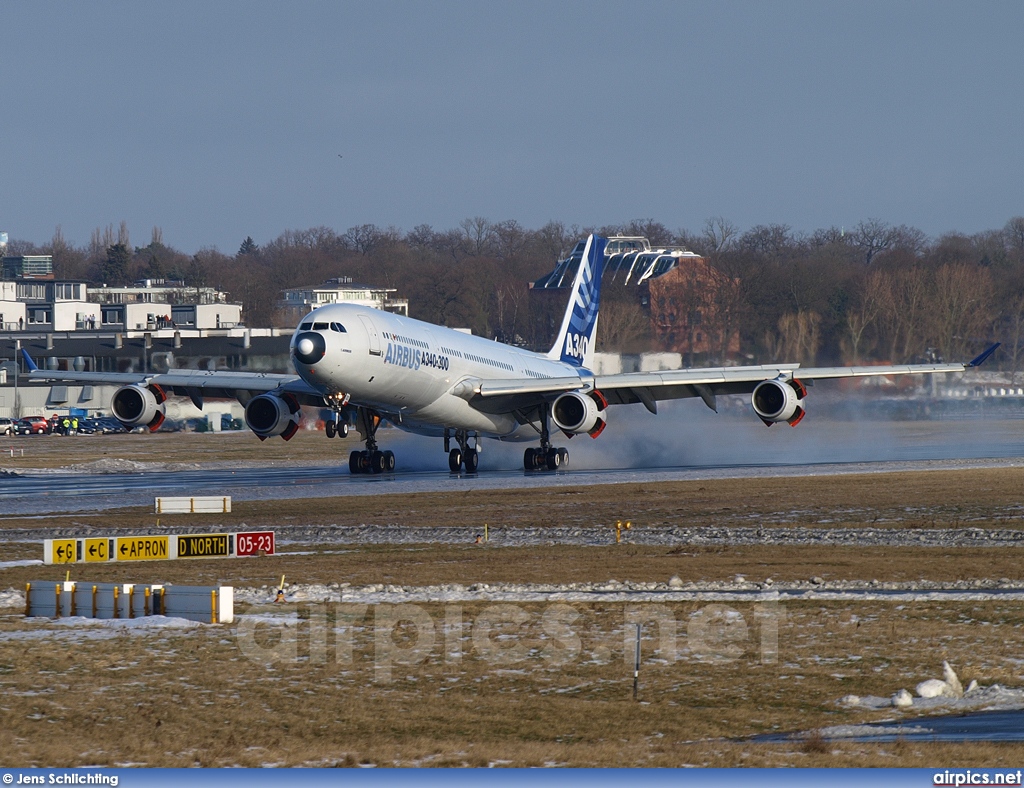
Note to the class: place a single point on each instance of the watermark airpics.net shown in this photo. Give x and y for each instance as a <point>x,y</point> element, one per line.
<point>506,634</point>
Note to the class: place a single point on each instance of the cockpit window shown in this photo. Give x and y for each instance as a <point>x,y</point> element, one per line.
<point>319,326</point>
<point>306,326</point>
<point>338,327</point>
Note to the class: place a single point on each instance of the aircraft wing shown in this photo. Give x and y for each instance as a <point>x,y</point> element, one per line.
<point>650,387</point>
<point>193,383</point>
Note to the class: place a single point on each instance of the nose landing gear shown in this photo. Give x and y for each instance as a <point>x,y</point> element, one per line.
<point>339,425</point>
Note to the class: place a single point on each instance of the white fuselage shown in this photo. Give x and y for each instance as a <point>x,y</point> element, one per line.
<point>406,369</point>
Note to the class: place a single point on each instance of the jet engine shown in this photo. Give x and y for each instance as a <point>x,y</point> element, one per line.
<point>779,400</point>
<point>575,413</point>
<point>136,405</point>
<point>273,414</point>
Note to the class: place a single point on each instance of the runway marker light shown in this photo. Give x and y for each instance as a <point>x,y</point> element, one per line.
<point>280,591</point>
<point>619,528</point>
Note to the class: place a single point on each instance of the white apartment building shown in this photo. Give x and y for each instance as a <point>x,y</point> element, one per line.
<point>299,301</point>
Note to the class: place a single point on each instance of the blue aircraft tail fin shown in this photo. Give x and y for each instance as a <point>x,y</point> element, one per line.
<point>577,337</point>
<point>30,365</point>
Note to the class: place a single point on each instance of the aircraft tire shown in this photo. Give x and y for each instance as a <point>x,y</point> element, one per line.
<point>329,429</point>
<point>342,430</point>
<point>389,461</point>
<point>564,455</point>
<point>553,459</point>
<point>471,460</point>
<point>355,462</point>
<point>454,460</point>
<point>530,460</point>
<point>377,462</point>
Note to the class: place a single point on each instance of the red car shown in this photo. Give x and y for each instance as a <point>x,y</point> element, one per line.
<point>32,425</point>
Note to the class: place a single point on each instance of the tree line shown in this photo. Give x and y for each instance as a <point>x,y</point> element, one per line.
<point>869,293</point>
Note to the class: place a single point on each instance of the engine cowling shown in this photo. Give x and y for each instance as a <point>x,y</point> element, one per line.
<point>576,413</point>
<point>136,405</point>
<point>272,414</point>
<point>778,400</point>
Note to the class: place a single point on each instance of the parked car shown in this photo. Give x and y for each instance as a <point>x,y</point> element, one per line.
<point>106,425</point>
<point>6,426</point>
<point>32,425</point>
<point>87,427</point>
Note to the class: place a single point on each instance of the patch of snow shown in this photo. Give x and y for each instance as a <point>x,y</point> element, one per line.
<point>12,598</point>
<point>25,562</point>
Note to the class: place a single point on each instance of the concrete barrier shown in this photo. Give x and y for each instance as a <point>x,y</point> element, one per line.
<point>63,599</point>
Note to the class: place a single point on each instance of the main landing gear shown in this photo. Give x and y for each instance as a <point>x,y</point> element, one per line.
<point>547,457</point>
<point>372,459</point>
<point>467,455</point>
<point>550,459</point>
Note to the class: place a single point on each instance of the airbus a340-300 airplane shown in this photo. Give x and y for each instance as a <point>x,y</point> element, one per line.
<point>370,367</point>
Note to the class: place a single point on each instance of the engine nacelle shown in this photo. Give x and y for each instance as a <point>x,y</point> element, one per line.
<point>576,413</point>
<point>272,414</point>
<point>136,405</point>
<point>778,400</point>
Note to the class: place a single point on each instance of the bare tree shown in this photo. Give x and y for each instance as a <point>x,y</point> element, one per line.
<point>862,316</point>
<point>873,236</point>
<point>800,336</point>
<point>719,234</point>
<point>961,310</point>
<point>478,237</point>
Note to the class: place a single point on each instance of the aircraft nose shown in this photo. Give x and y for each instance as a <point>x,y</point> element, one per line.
<point>310,347</point>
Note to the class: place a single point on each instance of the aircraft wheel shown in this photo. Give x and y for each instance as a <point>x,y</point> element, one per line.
<point>471,460</point>
<point>355,462</point>
<point>329,429</point>
<point>389,461</point>
<point>377,462</point>
<point>564,455</point>
<point>454,460</point>
<point>342,430</point>
<point>529,460</point>
<point>554,459</point>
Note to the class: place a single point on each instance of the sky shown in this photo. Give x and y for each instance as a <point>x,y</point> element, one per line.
<point>217,121</point>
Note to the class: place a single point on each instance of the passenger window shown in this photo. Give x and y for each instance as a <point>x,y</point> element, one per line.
<point>319,326</point>
<point>306,326</point>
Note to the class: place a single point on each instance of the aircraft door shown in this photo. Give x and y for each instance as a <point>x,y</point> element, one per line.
<point>371,331</point>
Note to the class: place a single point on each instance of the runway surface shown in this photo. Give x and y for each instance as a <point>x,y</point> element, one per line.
<point>677,445</point>
<point>50,492</point>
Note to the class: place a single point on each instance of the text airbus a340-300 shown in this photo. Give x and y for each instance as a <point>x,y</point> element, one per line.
<point>370,367</point>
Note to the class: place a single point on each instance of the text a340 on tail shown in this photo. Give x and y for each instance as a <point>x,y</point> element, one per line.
<point>371,367</point>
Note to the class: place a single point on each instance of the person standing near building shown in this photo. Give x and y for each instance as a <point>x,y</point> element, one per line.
<point>74,425</point>
<point>65,426</point>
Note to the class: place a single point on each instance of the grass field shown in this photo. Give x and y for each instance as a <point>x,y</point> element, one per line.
<point>178,698</point>
<point>216,695</point>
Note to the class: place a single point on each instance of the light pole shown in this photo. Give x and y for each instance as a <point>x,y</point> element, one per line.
<point>16,411</point>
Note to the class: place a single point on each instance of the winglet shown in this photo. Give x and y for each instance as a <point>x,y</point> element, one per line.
<point>977,362</point>
<point>30,365</point>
